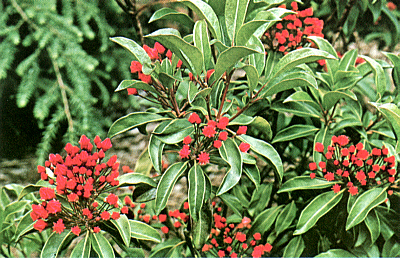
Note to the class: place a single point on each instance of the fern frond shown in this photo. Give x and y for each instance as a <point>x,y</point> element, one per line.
<point>7,54</point>
<point>45,102</point>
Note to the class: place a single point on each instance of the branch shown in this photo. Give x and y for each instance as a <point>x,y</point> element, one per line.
<point>63,91</point>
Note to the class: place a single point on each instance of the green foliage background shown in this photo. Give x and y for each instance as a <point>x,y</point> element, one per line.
<point>58,71</point>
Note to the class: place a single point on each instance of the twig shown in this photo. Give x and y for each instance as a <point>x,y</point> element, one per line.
<point>63,91</point>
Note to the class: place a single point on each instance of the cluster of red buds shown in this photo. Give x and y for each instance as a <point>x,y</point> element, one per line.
<point>354,167</point>
<point>155,53</point>
<point>207,138</point>
<point>292,32</point>
<point>77,181</point>
<point>233,240</point>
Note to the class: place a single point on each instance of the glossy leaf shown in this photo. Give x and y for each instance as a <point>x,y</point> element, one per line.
<point>317,208</point>
<point>249,28</point>
<point>324,45</point>
<point>260,199</point>
<point>167,183</point>
<point>295,132</point>
<point>190,55</point>
<point>124,229</point>
<point>132,121</point>
<point>202,227</point>
<point>139,85</point>
<point>373,224</point>
<point>197,190</point>
<point>155,149</point>
<point>202,42</point>
<point>229,58</point>
<point>295,247</point>
<point>172,15</point>
<point>380,78</point>
<point>28,189</point>
<point>252,173</point>
<point>82,249</point>
<point>24,226</point>
<point>54,243</point>
<point>101,246</point>
<point>285,218</point>
<point>391,248</point>
<point>138,52</point>
<point>143,231</point>
<point>13,208</point>
<point>392,114</point>
<point>336,253</point>
<point>300,56</point>
<point>287,81</point>
<point>305,183</point>
<point>233,203</point>
<point>264,220</point>
<point>332,97</point>
<point>267,151</point>
<point>298,109</point>
<point>134,179</point>
<point>364,204</point>
<point>230,152</point>
<point>235,12</point>
<point>177,136</point>
<point>252,77</point>
<point>204,11</point>
<point>163,248</point>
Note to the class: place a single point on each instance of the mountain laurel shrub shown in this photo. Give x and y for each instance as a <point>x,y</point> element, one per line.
<point>306,140</point>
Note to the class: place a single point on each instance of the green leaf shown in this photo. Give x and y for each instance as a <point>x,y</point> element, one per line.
<point>82,249</point>
<point>392,114</point>
<point>348,60</point>
<point>264,220</point>
<point>54,243</point>
<point>364,204</point>
<point>190,55</point>
<point>101,245</point>
<point>317,208</point>
<point>304,183</point>
<point>143,231</point>
<point>298,109</point>
<point>267,151</point>
<point>295,247</point>
<point>230,152</point>
<point>323,44</point>
<point>252,77</point>
<point>391,248</point>
<point>172,15</point>
<point>163,248</point>
<point>176,137</point>
<point>172,126</point>
<point>249,28</point>
<point>287,81</point>
<point>24,226</point>
<point>202,227</point>
<point>28,189</point>
<point>233,203</point>
<point>204,11</point>
<point>132,121</point>
<point>252,173</point>
<point>373,224</point>
<point>300,56</point>
<point>155,149</point>
<point>139,85</point>
<point>332,97</point>
<point>235,13</point>
<point>295,132</point>
<point>336,253</point>
<point>134,179</point>
<point>138,52</point>
<point>197,190</point>
<point>202,42</point>
<point>260,199</point>
<point>229,58</point>
<point>13,208</point>
<point>123,226</point>
<point>285,218</point>
<point>395,59</point>
<point>380,78</point>
<point>167,183</point>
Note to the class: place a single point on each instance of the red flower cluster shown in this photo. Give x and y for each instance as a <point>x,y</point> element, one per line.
<point>155,53</point>
<point>207,138</point>
<point>233,240</point>
<point>354,167</point>
<point>292,32</point>
<point>79,179</point>
<point>391,6</point>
